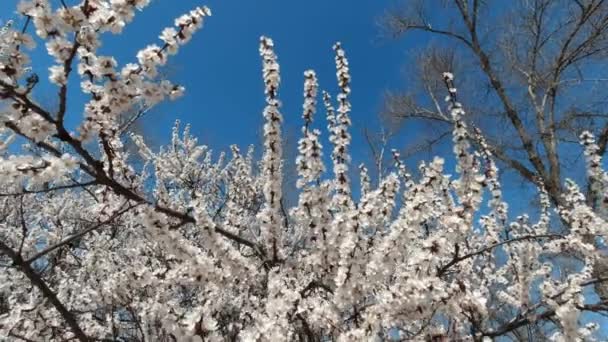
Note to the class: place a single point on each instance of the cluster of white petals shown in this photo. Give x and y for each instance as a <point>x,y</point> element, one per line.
<point>339,134</point>
<point>14,62</point>
<point>16,169</point>
<point>310,158</point>
<point>598,178</point>
<point>270,217</point>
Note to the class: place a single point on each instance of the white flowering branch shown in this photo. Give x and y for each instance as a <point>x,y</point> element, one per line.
<point>189,245</point>
<point>270,216</point>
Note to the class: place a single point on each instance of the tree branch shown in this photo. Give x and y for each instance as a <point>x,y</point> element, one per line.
<point>77,236</point>
<point>458,258</point>
<point>37,281</point>
<point>55,188</point>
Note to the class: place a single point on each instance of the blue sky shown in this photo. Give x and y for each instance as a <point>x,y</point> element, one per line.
<point>221,70</point>
<point>220,67</point>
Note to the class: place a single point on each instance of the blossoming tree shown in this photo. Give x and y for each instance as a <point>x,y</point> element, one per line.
<point>190,246</point>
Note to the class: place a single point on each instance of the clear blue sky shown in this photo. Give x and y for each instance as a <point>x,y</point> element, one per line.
<point>220,67</point>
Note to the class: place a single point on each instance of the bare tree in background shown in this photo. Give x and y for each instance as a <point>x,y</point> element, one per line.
<point>542,64</point>
<point>534,72</point>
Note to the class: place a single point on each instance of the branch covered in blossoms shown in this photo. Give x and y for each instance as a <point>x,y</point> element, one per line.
<point>192,245</point>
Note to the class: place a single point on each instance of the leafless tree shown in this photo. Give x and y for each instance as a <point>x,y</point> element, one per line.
<point>542,66</point>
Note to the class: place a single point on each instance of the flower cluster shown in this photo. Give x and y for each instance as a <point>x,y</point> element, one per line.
<point>16,169</point>
<point>340,137</point>
<point>270,216</point>
<point>598,178</point>
<point>309,161</point>
<point>470,184</point>
<point>116,92</point>
<point>13,60</point>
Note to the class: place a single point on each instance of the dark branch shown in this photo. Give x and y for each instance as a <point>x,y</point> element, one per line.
<point>37,281</point>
